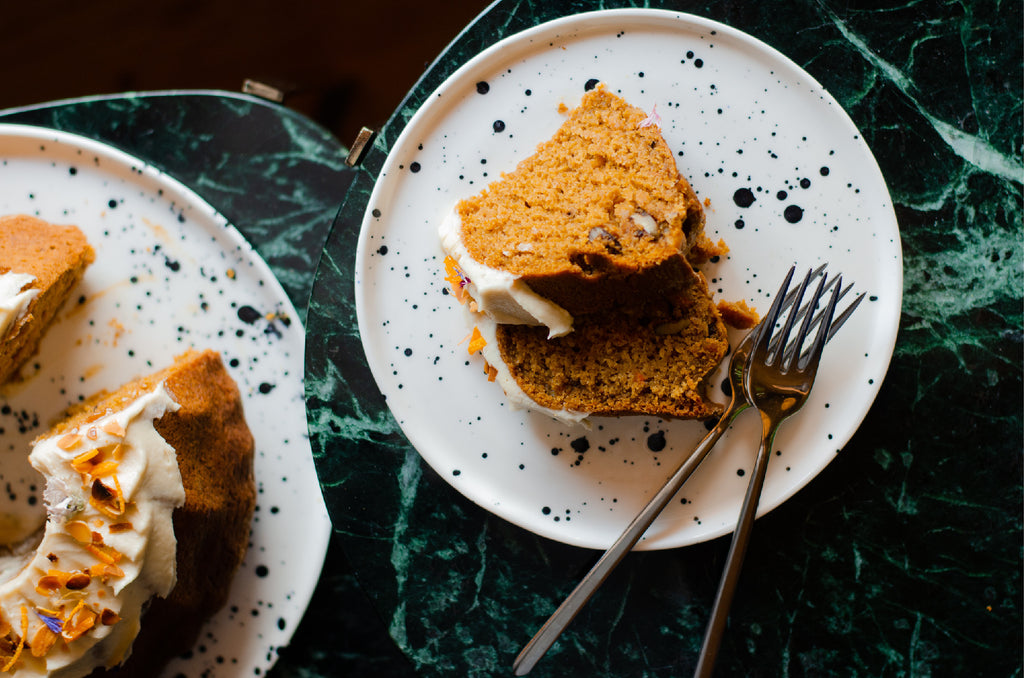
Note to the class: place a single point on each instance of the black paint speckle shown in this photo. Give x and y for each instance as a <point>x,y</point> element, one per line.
<point>249,315</point>
<point>482,87</point>
<point>580,445</point>
<point>743,197</point>
<point>656,441</point>
<point>499,126</point>
<point>591,84</point>
<point>793,213</point>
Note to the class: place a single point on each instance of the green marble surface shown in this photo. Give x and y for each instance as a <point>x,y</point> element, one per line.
<point>903,558</point>
<point>279,178</point>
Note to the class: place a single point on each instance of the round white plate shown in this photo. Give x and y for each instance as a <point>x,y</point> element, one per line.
<point>746,124</point>
<point>170,274</point>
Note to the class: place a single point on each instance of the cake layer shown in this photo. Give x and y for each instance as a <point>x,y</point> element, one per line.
<point>597,217</point>
<point>215,457</point>
<point>652,361</point>
<point>55,258</point>
<point>156,521</point>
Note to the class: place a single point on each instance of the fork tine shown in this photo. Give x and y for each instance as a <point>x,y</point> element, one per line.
<point>838,321</point>
<point>793,350</point>
<point>792,293</point>
<point>780,356</point>
<point>767,325</point>
<point>814,355</point>
<point>806,308</point>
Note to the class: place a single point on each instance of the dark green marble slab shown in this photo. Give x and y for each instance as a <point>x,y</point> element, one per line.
<point>279,178</point>
<point>903,558</point>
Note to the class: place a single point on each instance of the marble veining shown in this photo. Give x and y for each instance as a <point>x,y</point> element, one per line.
<point>279,178</point>
<point>902,558</point>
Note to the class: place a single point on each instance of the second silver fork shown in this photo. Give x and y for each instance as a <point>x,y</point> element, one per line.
<point>779,375</point>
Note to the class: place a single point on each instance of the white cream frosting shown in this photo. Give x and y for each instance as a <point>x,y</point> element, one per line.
<point>85,529</point>
<point>14,298</point>
<point>501,295</point>
<point>515,395</point>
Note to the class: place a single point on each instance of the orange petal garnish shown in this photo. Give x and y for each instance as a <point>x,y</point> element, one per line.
<point>114,428</point>
<point>104,469</point>
<point>476,341</point>
<point>84,457</point>
<point>79,531</point>
<point>68,441</point>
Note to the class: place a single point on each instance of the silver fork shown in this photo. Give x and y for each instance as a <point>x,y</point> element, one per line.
<point>574,602</point>
<point>779,376</point>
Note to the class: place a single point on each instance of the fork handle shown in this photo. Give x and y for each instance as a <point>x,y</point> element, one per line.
<point>556,623</point>
<point>737,551</point>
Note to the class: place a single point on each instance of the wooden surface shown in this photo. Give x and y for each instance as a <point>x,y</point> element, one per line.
<point>344,63</point>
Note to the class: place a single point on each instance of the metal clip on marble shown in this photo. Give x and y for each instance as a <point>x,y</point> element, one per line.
<point>359,147</point>
<point>263,90</point>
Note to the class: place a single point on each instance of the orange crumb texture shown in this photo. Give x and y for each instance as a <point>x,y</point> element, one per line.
<point>603,187</point>
<point>57,256</point>
<point>737,314</point>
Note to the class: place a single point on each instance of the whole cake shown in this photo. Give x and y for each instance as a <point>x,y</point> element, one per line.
<point>598,217</point>
<point>149,494</point>
<point>40,264</point>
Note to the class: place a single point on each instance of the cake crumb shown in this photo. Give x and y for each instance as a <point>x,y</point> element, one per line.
<point>737,314</point>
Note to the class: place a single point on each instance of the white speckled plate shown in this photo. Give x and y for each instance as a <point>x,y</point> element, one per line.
<point>788,180</point>
<point>171,274</point>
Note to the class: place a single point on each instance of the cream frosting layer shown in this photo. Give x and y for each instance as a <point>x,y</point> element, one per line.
<point>14,298</point>
<point>515,395</point>
<point>108,545</point>
<point>500,295</point>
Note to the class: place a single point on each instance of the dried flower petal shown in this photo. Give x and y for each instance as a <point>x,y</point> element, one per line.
<point>68,441</point>
<point>53,622</point>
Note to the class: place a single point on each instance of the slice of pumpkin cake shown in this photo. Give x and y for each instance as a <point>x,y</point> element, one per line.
<point>576,270</point>
<point>598,217</point>
<point>652,360</point>
<point>40,264</point>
